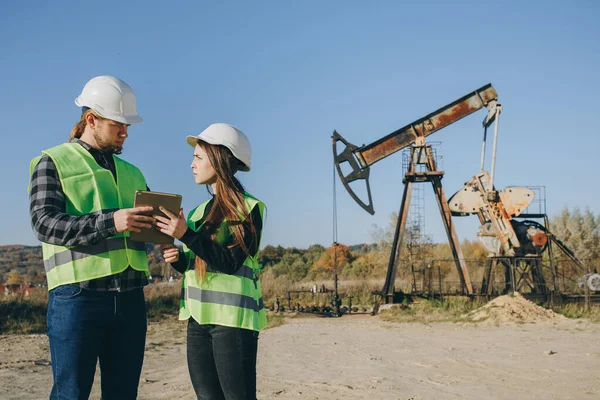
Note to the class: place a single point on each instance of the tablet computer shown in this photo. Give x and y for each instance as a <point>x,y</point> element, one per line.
<point>171,202</point>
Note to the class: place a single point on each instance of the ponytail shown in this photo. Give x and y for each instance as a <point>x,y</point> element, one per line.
<point>79,127</point>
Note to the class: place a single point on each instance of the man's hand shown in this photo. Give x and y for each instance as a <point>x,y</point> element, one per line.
<point>170,253</point>
<point>130,219</point>
<point>172,225</point>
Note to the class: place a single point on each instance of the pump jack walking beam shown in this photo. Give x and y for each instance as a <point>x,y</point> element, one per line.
<point>360,159</point>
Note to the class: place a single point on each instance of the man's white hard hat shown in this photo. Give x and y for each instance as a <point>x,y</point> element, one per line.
<point>228,136</point>
<point>111,98</point>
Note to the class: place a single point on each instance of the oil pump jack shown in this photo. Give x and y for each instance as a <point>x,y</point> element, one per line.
<point>515,244</point>
<point>414,134</point>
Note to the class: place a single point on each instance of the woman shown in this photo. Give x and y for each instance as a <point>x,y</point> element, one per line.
<point>221,291</point>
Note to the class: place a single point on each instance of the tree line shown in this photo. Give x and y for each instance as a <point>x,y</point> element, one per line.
<point>579,230</point>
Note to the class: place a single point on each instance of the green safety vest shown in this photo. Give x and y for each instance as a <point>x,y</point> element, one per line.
<point>89,188</point>
<point>222,299</point>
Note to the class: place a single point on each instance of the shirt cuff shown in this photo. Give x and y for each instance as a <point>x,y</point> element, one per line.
<point>181,264</point>
<point>106,224</point>
<point>188,236</point>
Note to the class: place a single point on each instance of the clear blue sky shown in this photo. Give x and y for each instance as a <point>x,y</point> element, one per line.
<point>290,72</point>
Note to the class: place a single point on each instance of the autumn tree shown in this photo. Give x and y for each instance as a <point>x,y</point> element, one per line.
<point>13,278</point>
<point>313,253</point>
<point>580,232</point>
<point>367,265</point>
<point>335,256</point>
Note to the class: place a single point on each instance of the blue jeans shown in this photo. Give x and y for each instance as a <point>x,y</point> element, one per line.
<point>85,326</point>
<point>222,361</point>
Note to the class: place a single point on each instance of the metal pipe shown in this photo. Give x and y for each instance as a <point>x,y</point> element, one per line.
<point>483,148</point>
<point>551,257</point>
<point>336,305</point>
<point>498,110</point>
<point>440,282</point>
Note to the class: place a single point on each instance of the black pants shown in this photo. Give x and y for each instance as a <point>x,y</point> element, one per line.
<point>222,361</point>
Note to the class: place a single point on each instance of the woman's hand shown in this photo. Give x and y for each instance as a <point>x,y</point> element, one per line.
<point>172,225</point>
<point>170,253</point>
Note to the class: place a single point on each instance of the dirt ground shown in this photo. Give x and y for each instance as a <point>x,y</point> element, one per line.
<point>362,357</point>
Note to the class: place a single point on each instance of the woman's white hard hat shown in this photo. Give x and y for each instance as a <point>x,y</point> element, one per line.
<point>228,136</point>
<point>111,98</point>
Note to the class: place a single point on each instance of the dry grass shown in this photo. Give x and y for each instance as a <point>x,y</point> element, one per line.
<point>21,315</point>
<point>27,314</point>
<point>452,309</point>
<point>275,320</point>
<point>278,287</point>
<point>577,311</point>
<point>162,300</point>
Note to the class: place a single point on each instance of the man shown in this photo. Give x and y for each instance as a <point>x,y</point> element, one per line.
<point>81,206</point>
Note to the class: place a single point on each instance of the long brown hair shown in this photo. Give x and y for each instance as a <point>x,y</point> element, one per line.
<point>79,127</point>
<point>228,203</point>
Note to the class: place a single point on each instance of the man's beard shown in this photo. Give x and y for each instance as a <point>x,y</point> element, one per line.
<point>106,147</point>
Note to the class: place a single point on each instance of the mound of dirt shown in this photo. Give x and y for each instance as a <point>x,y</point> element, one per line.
<point>511,309</point>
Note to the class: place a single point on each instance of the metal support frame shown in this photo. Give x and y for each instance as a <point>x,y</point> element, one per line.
<point>421,153</point>
<point>553,271</point>
<point>521,274</point>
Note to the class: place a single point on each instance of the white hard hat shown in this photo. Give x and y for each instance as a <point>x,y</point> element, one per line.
<point>111,98</point>
<point>228,136</point>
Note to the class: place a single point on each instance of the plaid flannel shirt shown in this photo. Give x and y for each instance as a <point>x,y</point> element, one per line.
<point>52,225</point>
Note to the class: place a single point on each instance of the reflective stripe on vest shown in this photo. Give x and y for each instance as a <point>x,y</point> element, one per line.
<point>81,252</point>
<point>227,299</point>
<point>222,299</point>
<point>89,189</point>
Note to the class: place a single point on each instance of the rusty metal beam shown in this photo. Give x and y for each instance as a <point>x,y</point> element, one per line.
<point>403,137</point>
